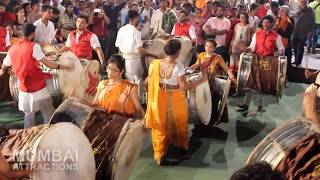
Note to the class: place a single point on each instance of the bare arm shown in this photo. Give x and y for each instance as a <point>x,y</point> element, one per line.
<point>100,54</point>
<point>50,64</point>
<point>64,49</point>
<point>226,70</point>
<point>136,102</point>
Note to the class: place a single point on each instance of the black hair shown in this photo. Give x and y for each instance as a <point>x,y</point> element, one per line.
<point>212,41</point>
<point>119,61</point>
<point>257,171</point>
<point>216,3</point>
<point>25,5</point>
<point>219,5</point>
<point>28,29</point>
<point>46,8</point>
<point>56,11</point>
<point>2,4</point>
<point>168,3</point>
<point>274,4</point>
<point>132,14</point>
<point>246,15</point>
<point>262,2</point>
<point>187,6</point>
<point>267,17</point>
<point>254,6</point>
<point>82,16</point>
<point>34,2</point>
<point>17,9</point>
<point>184,12</point>
<point>172,47</point>
<point>68,3</point>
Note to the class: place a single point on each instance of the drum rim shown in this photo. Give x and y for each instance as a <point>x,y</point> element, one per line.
<point>14,88</point>
<point>113,165</point>
<point>270,137</point>
<point>280,86</point>
<point>224,100</point>
<point>239,68</point>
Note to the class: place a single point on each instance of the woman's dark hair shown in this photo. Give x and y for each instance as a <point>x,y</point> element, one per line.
<point>246,15</point>
<point>17,9</point>
<point>172,47</point>
<point>119,61</point>
<point>212,41</point>
<point>257,171</point>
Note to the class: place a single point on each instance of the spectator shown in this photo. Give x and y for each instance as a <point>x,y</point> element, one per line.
<point>304,23</point>
<point>207,14</point>
<point>198,21</point>
<point>273,11</point>
<point>45,31</point>
<point>184,27</point>
<point>315,5</point>
<point>27,8</point>
<point>219,26</point>
<point>177,6</point>
<point>257,171</point>
<point>34,14</point>
<point>68,20</point>
<point>163,19</point>
<point>232,16</point>
<point>20,21</point>
<point>146,13</point>
<point>83,10</point>
<point>5,16</point>
<point>56,4</point>
<point>253,19</point>
<point>262,10</point>
<point>214,8</point>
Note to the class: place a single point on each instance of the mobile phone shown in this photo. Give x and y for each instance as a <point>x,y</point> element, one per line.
<point>97,10</point>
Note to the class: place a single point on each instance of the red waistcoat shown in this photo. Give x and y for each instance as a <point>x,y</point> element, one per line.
<point>31,78</point>
<point>3,35</point>
<point>266,44</point>
<point>83,48</point>
<point>182,29</point>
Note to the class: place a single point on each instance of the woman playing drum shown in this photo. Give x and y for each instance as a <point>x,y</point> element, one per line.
<point>167,107</point>
<point>116,94</point>
<point>211,62</point>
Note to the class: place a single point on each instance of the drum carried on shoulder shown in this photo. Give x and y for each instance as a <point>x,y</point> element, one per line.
<point>262,74</point>
<point>201,105</point>
<point>81,81</point>
<point>116,140</point>
<point>47,151</point>
<point>292,148</point>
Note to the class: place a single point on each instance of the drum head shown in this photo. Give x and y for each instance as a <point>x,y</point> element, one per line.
<point>203,102</point>
<point>154,46</point>
<point>91,80</point>
<point>50,49</point>
<point>127,150</point>
<point>272,148</point>
<point>72,156</point>
<point>243,71</point>
<point>70,80</point>
<point>186,51</point>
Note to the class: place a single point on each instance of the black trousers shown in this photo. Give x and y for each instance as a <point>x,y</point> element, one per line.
<point>298,47</point>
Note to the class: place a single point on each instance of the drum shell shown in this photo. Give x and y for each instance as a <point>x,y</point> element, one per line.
<point>4,81</point>
<point>274,146</point>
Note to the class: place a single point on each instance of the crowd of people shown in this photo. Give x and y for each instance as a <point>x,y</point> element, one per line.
<point>219,32</point>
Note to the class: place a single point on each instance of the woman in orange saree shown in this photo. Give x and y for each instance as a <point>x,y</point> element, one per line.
<point>167,106</point>
<point>117,95</point>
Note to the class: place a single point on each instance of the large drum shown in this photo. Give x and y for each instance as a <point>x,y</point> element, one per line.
<point>58,151</point>
<point>293,148</point>
<point>207,102</point>
<point>4,81</point>
<point>262,74</point>
<point>81,81</point>
<point>116,140</point>
<point>156,46</point>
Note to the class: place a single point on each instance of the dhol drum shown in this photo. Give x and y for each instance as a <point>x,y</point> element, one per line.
<point>4,81</point>
<point>116,140</point>
<point>50,49</point>
<point>80,82</point>
<point>60,151</point>
<point>156,46</point>
<point>292,148</point>
<point>262,74</point>
<point>201,105</point>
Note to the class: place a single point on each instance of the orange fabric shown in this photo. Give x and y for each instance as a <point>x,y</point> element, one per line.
<point>266,43</point>
<point>170,122</point>
<point>283,25</point>
<point>214,63</point>
<point>117,99</point>
<point>200,4</point>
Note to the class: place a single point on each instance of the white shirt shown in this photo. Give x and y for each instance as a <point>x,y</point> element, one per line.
<point>146,12</point>
<point>192,32</point>
<point>156,21</point>
<point>36,54</point>
<point>61,10</point>
<point>94,41</point>
<point>123,13</point>
<point>44,34</point>
<point>278,42</point>
<point>129,39</point>
<point>253,22</point>
<point>177,72</point>
<point>8,40</point>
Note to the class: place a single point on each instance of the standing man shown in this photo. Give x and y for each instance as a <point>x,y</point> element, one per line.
<point>45,32</point>
<point>24,57</point>
<point>34,14</point>
<point>163,19</point>
<point>130,45</point>
<point>304,23</point>
<point>184,27</point>
<point>112,11</point>
<point>56,4</point>
<point>265,42</point>
<point>315,5</point>
<point>219,26</point>
<point>81,41</point>
<point>146,14</point>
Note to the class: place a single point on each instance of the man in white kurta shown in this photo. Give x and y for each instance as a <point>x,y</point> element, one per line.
<point>45,32</point>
